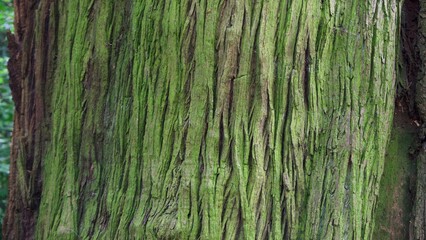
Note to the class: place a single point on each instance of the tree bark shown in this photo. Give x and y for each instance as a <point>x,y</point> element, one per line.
<point>200,119</point>
<point>418,225</point>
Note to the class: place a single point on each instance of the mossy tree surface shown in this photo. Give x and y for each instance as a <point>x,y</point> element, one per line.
<point>397,186</point>
<point>201,119</point>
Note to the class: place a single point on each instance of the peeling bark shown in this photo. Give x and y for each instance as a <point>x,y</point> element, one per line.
<point>201,119</point>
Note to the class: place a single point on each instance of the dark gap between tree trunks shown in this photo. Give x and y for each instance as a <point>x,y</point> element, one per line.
<point>394,213</point>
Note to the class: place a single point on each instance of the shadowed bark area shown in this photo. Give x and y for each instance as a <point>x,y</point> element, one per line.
<point>394,211</point>
<point>397,186</point>
<point>418,225</point>
<point>200,119</point>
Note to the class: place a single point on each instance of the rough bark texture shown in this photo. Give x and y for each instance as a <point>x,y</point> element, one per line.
<point>214,119</point>
<point>418,226</point>
<point>421,45</point>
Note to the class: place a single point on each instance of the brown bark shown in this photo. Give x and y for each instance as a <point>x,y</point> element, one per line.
<point>30,70</point>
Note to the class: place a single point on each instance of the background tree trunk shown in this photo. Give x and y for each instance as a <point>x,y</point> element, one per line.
<point>200,119</point>
<point>418,224</point>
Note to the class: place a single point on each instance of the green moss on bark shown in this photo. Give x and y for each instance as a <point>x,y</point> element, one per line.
<point>397,186</point>
<point>214,119</point>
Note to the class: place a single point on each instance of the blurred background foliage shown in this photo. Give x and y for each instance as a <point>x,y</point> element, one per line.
<point>6,103</point>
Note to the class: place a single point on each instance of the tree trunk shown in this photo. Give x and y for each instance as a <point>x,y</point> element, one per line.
<point>418,226</point>
<point>200,119</point>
